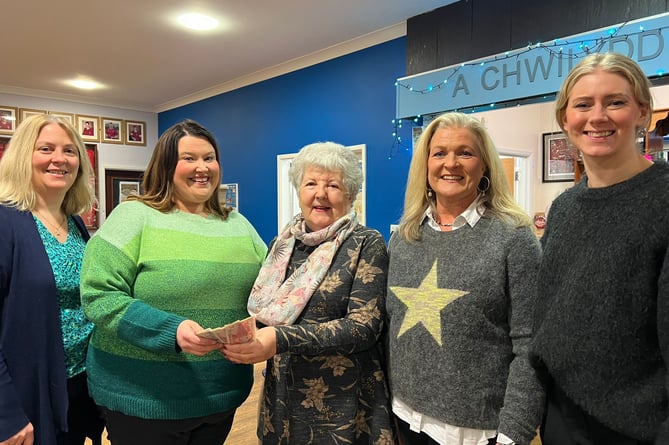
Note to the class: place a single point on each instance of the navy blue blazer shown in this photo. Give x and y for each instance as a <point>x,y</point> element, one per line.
<point>33,380</point>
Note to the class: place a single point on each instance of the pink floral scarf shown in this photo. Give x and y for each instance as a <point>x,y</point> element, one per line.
<point>276,300</point>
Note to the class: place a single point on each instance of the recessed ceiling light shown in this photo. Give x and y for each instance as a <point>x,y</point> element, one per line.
<point>84,84</point>
<point>198,22</point>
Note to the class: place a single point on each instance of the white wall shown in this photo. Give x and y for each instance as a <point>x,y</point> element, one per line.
<point>110,156</point>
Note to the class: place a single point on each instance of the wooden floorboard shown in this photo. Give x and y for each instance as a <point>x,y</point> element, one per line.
<point>246,419</point>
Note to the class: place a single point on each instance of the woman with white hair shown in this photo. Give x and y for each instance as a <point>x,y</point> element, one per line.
<point>321,297</point>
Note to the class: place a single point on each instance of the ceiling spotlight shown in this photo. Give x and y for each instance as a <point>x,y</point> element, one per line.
<point>198,22</point>
<point>84,84</point>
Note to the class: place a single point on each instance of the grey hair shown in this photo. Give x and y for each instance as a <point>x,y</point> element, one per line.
<point>332,157</point>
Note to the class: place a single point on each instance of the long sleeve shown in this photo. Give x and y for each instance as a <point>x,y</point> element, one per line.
<point>33,387</point>
<point>524,398</point>
<point>144,272</point>
<point>108,274</point>
<point>663,338</point>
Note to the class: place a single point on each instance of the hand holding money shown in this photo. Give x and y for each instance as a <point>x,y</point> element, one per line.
<point>240,331</point>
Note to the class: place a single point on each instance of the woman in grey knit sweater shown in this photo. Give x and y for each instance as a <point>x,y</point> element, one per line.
<point>461,290</point>
<point>602,339</point>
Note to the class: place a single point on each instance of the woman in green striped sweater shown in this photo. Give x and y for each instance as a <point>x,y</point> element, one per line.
<point>164,265</point>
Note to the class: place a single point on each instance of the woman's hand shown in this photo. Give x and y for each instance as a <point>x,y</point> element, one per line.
<point>191,343</point>
<point>262,348</point>
<point>24,437</point>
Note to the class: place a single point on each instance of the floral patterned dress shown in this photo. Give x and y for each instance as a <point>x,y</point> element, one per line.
<point>327,383</point>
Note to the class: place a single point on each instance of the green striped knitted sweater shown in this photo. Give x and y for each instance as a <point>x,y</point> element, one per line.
<point>143,273</point>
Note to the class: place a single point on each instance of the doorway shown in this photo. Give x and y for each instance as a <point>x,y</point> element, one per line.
<point>516,169</point>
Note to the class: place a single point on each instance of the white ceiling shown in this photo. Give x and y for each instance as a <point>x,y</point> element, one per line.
<point>148,63</point>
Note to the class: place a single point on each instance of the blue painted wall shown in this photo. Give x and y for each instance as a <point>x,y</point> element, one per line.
<point>349,100</point>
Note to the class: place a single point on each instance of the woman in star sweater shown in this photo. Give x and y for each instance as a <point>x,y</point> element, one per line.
<point>164,265</point>
<point>461,291</point>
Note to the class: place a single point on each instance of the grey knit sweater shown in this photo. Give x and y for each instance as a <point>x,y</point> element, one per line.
<point>603,310</point>
<point>460,308</point>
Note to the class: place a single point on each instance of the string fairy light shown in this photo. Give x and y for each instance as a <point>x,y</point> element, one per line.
<point>554,48</point>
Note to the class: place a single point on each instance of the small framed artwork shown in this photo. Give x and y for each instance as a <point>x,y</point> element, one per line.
<point>228,196</point>
<point>65,116</point>
<point>25,113</point>
<point>4,143</point>
<point>91,218</point>
<point>88,127</point>
<point>558,158</point>
<point>119,184</point>
<point>8,119</point>
<point>112,130</point>
<point>135,133</point>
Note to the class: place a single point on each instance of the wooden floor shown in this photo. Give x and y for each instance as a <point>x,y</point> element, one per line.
<point>246,419</point>
<point>244,427</point>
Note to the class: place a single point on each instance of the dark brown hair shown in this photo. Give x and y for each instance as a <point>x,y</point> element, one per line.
<point>158,180</point>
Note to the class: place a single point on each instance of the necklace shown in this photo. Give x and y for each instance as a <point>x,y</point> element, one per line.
<point>53,226</point>
<point>445,225</point>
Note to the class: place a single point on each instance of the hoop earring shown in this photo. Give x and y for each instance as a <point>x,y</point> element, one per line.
<point>486,187</point>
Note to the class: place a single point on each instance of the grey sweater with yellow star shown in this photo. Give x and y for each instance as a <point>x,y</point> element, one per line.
<point>460,308</point>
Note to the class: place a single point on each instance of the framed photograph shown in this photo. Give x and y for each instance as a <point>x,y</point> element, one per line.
<point>558,158</point>
<point>228,196</point>
<point>88,127</point>
<point>91,218</point>
<point>135,133</point>
<point>119,184</point>
<point>4,142</point>
<point>25,113</point>
<point>8,119</point>
<point>112,130</point>
<point>65,116</point>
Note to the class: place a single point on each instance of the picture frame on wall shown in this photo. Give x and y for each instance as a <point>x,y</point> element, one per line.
<point>4,143</point>
<point>69,117</point>
<point>558,158</point>
<point>91,218</point>
<point>8,119</point>
<point>228,196</point>
<point>25,113</point>
<point>112,130</point>
<point>135,133</point>
<point>119,184</point>
<point>88,127</point>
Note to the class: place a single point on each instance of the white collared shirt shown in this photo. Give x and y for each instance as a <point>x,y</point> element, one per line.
<point>471,216</point>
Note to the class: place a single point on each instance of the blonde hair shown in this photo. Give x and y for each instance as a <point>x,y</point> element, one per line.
<point>497,200</point>
<point>16,168</point>
<point>613,63</point>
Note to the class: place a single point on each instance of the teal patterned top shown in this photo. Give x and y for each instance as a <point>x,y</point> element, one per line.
<point>65,262</point>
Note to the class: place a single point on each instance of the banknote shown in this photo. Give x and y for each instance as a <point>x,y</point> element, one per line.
<point>240,331</point>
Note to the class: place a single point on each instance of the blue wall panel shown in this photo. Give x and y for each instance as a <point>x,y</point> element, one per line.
<point>349,100</point>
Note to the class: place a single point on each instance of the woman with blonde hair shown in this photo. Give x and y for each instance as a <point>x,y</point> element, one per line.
<point>602,322</point>
<point>461,289</point>
<point>44,185</point>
